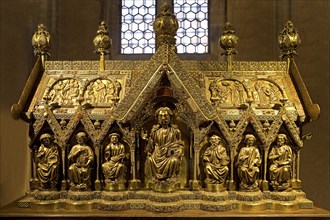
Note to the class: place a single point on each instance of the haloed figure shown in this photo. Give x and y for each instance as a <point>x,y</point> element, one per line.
<point>48,160</point>
<point>114,155</point>
<point>248,163</point>
<point>165,148</point>
<point>82,157</point>
<point>216,160</point>
<point>280,170</point>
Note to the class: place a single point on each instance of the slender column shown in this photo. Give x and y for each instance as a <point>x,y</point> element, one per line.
<point>64,164</point>
<point>134,183</point>
<point>34,178</point>
<point>264,180</point>
<point>296,181</point>
<point>102,62</point>
<point>298,165</point>
<point>98,160</point>
<point>195,183</point>
<point>232,167</point>
<point>133,165</point>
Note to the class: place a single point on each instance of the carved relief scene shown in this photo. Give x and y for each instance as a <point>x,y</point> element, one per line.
<point>165,135</point>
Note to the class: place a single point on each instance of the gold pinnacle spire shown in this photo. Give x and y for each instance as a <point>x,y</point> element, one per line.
<point>41,43</point>
<point>165,26</point>
<point>102,43</point>
<point>228,42</point>
<point>289,40</point>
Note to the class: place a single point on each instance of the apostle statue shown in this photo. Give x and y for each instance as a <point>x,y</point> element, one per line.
<point>165,148</point>
<point>280,169</point>
<point>248,163</point>
<point>82,157</point>
<point>215,160</point>
<point>114,155</point>
<point>48,161</point>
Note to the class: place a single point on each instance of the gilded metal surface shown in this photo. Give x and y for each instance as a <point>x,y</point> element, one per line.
<point>102,43</point>
<point>82,158</point>
<point>289,40</point>
<point>48,162</point>
<point>215,162</point>
<point>226,136</point>
<point>165,26</point>
<point>248,162</point>
<point>41,43</point>
<point>280,169</point>
<point>165,150</point>
<point>228,42</point>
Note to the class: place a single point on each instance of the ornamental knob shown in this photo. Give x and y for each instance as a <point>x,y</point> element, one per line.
<point>289,40</point>
<point>165,26</point>
<point>228,40</point>
<point>41,41</point>
<point>102,41</point>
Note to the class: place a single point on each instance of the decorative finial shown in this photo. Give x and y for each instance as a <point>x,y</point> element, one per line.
<point>102,43</point>
<point>289,40</point>
<point>228,42</point>
<point>41,42</point>
<point>165,26</point>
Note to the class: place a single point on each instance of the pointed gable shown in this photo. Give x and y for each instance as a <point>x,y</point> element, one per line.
<point>164,61</point>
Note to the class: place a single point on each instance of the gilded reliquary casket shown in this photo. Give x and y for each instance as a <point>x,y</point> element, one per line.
<point>167,134</point>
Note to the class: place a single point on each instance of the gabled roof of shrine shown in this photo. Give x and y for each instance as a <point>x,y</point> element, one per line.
<point>164,61</point>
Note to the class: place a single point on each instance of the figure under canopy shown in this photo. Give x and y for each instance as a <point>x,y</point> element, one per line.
<point>165,147</point>
<point>280,170</point>
<point>48,161</point>
<point>82,157</point>
<point>114,155</point>
<point>216,161</point>
<point>248,163</point>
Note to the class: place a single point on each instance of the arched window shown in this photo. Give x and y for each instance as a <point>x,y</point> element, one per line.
<point>137,16</point>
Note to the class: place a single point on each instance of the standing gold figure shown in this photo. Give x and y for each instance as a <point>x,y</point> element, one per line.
<point>248,163</point>
<point>80,170</point>
<point>165,148</point>
<point>216,160</point>
<point>280,169</point>
<point>114,155</point>
<point>48,159</point>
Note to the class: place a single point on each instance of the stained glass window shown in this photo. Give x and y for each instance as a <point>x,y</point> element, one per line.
<point>137,36</point>
<point>192,36</point>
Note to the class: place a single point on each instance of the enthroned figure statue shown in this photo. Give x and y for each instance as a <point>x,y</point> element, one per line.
<point>165,147</point>
<point>48,161</point>
<point>82,157</point>
<point>114,155</point>
<point>280,170</point>
<point>216,162</point>
<point>248,163</point>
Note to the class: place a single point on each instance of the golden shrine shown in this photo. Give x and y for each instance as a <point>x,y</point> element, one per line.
<point>166,134</point>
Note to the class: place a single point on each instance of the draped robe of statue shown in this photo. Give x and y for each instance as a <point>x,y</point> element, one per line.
<point>280,170</point>
<point>80,170</point>
<point>216,161</point>
<point>48,165</point>
<point>113,168</point>
<point>248,163</point>
<point>166,149</point>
